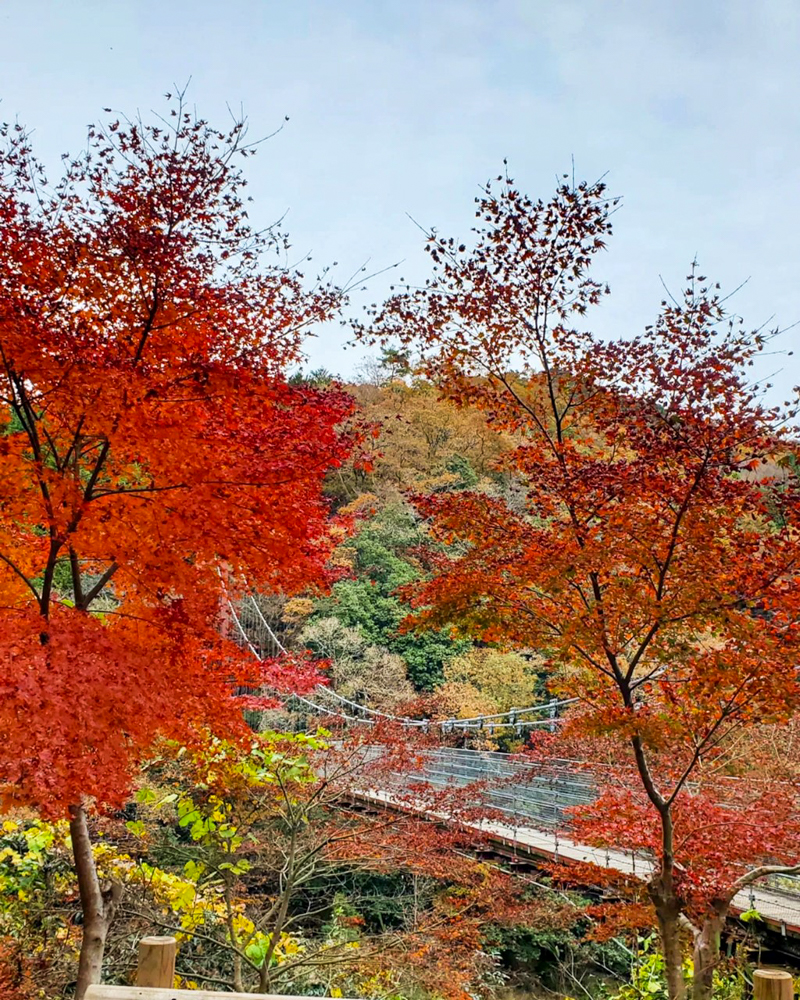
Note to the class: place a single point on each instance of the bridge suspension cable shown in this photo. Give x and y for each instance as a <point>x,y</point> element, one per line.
<point>254,632</point>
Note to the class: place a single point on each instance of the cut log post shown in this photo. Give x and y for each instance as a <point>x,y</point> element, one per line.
<point>157,962</point>
<point>772,984</point>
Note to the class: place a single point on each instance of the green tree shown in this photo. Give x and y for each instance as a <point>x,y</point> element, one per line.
<point>383,559</point>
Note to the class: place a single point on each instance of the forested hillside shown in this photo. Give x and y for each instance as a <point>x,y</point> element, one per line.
<point>503,510</point>
<point>419,444</point>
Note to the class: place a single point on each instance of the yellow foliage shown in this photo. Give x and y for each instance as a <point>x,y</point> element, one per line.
<point>378,985</point>
<point>179,983</point>
<point>181,897</point>
<point>462,700</point>
<point>365,504</point>
<point>297,608</point>
<point>420,433</point>
<point>503,680</point>
<point>343,557</point>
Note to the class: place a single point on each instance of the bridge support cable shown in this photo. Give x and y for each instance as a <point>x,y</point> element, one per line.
<point>254,632</point>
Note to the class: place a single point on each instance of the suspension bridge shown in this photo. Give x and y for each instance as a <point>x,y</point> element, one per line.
<point>531,800</point>
<point>252,630</point>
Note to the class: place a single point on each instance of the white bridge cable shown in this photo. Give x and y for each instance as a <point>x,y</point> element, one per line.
<point>512,719</point>
<point>513,714</point>
<point>478,722</point>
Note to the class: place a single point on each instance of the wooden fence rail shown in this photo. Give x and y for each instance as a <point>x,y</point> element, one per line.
<point>164,993</point>
<point>156,974</point>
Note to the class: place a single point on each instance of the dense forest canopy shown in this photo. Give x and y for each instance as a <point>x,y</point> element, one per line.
<point>500,511</point>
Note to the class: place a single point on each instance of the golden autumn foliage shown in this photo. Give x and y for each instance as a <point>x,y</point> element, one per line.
<point>499,680</point>
<point>421,440</point>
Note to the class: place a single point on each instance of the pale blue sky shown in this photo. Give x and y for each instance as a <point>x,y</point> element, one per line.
<point>406,106</point>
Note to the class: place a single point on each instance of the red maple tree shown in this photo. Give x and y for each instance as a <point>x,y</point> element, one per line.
<point>661,581</point>
<point>153,457</point>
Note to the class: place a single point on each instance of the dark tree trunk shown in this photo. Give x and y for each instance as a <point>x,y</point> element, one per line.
<point>706,953</point>
<point>668,910</point>
<point>98,904</point>
<point>661,888</point>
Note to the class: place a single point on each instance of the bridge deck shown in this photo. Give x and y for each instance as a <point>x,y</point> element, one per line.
<point>535,805</point>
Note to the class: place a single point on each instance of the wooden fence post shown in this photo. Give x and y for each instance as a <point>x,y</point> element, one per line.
<point>772,984</point>
<point>157,962</point>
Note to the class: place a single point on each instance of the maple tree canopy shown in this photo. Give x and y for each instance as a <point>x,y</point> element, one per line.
<point>660,578</point>
<point>152,452</point>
